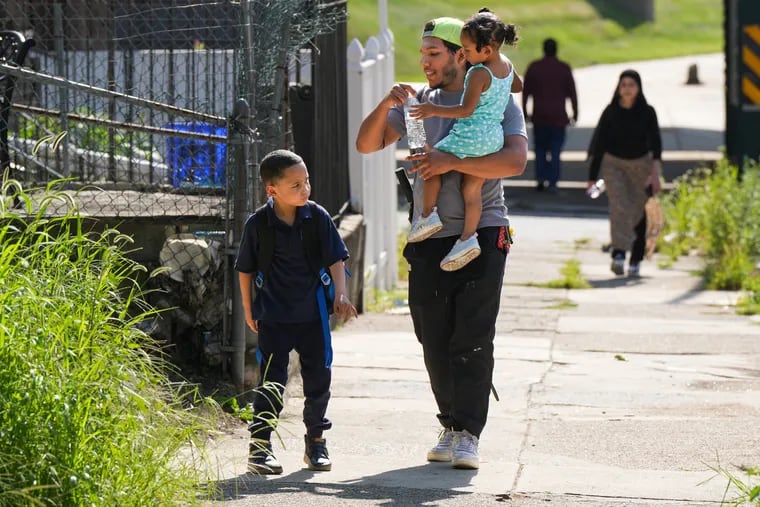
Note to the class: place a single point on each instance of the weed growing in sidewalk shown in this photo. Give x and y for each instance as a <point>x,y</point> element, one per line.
<point>572,278</point>
<point>743,490</point>
<point>563,304</point>
<point>714,213</point>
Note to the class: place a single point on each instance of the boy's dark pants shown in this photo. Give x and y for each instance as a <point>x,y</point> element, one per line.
<point>276,340</point>
<point>454,315</point>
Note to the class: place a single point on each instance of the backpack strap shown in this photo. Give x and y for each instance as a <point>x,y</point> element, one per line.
<point>311,240</point>
<point>265,244</point>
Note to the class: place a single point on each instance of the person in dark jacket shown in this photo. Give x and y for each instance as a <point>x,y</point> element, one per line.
<point>549,81</point>
<point>626,151</point>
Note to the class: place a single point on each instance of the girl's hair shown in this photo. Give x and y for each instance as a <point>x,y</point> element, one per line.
<point>485,28</point>
<point>274,164</point>
<point>640,99</point>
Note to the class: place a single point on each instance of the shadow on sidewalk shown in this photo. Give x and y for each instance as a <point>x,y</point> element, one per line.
<point>365,488</point>
<point>622,281</point>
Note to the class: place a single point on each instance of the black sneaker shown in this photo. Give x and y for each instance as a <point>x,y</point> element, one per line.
<point>316,456</point>
<point>261,460</point>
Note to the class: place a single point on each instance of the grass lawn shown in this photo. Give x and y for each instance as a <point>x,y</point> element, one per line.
<point>588,31</point>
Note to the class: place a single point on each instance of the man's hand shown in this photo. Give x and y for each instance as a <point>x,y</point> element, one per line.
<point>398,94</point>
<point>432,163</point>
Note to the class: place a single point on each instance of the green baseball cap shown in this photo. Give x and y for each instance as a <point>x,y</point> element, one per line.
<point>447,29</point>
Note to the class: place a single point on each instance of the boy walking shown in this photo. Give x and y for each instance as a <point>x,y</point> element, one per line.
<point>290,308</point>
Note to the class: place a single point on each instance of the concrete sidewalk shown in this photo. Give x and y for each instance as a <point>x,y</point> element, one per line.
<point>624,394</point>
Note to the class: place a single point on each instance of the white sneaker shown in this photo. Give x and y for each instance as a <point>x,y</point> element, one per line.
<point>461,253</point>
<point>424,227</point>
<point>442,449</point>
<point>465,452</point>
<point>634,271</point>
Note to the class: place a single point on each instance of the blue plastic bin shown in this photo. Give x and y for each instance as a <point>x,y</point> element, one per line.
<point>196,163</point>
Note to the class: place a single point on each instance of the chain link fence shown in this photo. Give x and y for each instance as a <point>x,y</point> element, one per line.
<point>135,105</point>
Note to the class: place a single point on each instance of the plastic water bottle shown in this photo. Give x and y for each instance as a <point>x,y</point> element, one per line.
<point>596,189</point>
<point>415,129</point>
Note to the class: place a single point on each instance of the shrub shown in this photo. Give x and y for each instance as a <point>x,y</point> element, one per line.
<point>87,413</point>
<point>716,214</point>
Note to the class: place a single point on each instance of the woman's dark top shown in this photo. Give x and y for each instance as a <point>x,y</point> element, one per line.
<point>625,133</point>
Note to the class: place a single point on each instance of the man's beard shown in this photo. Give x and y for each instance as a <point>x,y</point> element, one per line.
<point>448,75</point>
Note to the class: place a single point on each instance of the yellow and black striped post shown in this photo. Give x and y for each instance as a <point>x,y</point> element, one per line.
<point>751,61</point>
<point>742,32</point>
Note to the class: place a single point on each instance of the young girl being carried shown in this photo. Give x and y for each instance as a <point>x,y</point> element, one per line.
<point>477,131</point>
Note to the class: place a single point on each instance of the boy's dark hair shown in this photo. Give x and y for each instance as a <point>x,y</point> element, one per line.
<point>550,47</point>
<point>274,163</point>
<point>485,28</point>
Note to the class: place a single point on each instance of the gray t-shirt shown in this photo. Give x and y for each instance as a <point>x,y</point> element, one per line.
<point>450,202</point>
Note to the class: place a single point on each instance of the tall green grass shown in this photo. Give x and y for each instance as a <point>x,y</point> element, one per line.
<point>716,214</point>
<point>588,31</point>
<point>87,413</point>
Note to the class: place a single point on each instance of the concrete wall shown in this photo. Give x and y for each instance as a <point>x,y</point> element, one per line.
<point>644,9</point>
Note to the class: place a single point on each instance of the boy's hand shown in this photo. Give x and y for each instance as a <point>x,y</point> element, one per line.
<point>343,308</point>
<point>254,325</point>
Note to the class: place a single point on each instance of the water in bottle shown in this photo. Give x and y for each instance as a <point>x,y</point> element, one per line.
<point>596,189</point>
<point>415,129</point>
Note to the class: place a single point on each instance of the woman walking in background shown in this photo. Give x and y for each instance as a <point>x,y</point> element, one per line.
<point>627,149</point>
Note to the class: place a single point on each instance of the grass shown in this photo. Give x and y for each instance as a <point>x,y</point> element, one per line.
<point>726,236</point>
<point>564,304</point>
<point>384,300</point>
<point>739,490</point>
<point>588,31</point>
<point>572,278</point>
<point>88,415</point>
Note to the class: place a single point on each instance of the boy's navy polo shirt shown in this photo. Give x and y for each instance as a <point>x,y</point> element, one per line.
<point>289,293</point>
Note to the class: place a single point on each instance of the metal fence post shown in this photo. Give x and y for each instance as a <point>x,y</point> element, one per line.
<point>239,133</point>
<point>63,93</point>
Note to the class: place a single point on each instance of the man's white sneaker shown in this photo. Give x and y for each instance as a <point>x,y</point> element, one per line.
<point>424,227</point>
<point>465,452</point>
<point>461,253</point>
<point>442,449</point>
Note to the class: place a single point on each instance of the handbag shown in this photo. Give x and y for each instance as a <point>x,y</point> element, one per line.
<point>655,224</point>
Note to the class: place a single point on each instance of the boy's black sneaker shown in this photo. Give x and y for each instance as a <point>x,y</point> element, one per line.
<point>261,460</point>
<point>316,456</point>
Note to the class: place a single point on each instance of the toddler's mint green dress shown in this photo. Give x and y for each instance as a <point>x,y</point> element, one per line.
<point>481,133</point>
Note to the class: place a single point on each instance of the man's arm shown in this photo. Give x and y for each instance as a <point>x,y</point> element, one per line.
<point>527,91</point>
<point>505,163</point>
<point>573,95</point>
<point>374,132</point>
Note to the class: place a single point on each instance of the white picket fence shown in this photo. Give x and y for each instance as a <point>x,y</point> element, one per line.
<point>373,182</point>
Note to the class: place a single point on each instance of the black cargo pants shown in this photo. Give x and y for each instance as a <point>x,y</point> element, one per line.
<point>454,315</point>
